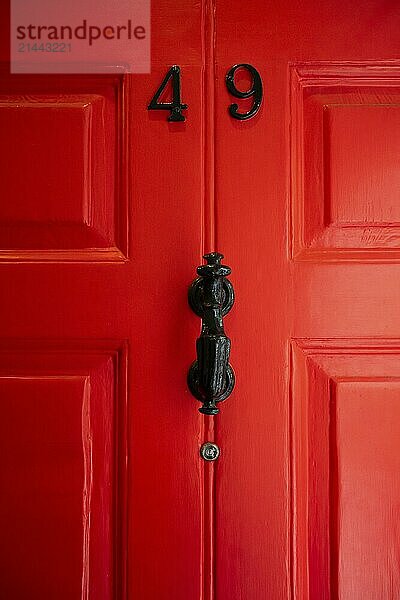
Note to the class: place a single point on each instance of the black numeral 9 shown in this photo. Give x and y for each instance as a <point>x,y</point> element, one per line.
<point>256,91</point>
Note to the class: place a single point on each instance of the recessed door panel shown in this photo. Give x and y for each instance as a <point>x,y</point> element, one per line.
<point>62,472</point>
<point>63,156</point>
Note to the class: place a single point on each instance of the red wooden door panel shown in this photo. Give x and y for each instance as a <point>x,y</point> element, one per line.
<point>307,492</point>
<point>99,232</point>
<point>106,209</point>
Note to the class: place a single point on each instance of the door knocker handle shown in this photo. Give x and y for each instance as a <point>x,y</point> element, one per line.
<point>211,378</point>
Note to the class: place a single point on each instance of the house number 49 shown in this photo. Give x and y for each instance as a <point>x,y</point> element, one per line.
<point>176,106</point>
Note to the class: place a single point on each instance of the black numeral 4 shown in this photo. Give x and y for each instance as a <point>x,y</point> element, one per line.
<point>176,107</point>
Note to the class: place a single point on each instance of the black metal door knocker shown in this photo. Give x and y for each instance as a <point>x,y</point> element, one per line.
<point>211,378</point>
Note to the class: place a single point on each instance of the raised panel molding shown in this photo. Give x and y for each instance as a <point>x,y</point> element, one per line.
<point>63,436</point>
<point>64,160</point>
<point>344,438</point>
<point>344,176</point>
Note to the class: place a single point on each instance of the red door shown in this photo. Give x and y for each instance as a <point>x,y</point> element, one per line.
<point>106,211</point>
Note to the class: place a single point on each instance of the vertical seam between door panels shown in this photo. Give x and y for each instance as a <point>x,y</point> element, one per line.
<point>207,558</point>
<point>208,126</point>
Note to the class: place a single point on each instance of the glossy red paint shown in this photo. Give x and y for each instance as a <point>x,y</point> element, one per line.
<point>106,211</point>
<point>307,217</point>
<point>100,473</point>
